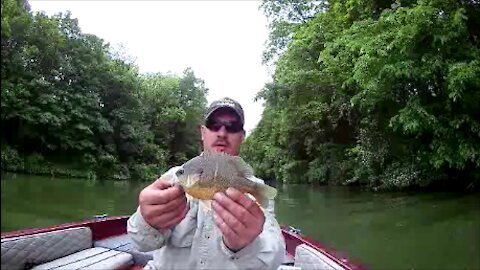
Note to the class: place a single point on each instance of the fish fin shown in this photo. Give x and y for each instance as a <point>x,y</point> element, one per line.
<point>264,194</point>
<point>262,201</point>
<point>206,205</point>
<point>244,169</point>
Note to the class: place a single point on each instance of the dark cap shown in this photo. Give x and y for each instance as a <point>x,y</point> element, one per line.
<point>226,103</point>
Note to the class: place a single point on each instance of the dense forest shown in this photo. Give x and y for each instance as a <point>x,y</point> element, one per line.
<point>74,106</point>
<point>379,93</point>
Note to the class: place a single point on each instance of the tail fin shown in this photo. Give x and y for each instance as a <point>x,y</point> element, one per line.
<point>264,194</point>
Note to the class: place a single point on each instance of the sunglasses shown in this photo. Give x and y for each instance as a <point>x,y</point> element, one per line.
<point>230,126</point>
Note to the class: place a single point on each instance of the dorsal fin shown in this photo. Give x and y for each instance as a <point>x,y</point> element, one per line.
<point>244,169</point>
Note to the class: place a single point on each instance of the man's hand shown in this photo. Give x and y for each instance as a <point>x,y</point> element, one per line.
<point>239,218</point>
<point>163,205</point>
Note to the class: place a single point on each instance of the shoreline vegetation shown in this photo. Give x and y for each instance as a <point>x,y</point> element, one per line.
<point>378,93</point>
<point>373,93</point>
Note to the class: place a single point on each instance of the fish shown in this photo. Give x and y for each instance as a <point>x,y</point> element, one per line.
<point>203,176</point>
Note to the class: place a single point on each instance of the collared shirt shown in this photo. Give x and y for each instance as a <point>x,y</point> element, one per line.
<point>196,242</point>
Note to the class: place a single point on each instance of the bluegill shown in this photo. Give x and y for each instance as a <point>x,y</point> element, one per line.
<point>204,175</point>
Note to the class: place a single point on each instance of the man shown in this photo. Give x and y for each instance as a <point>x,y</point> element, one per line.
<point>237,234</point>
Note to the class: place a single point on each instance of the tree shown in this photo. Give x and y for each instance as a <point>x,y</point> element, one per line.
<point>71,101</point>
<point>381,93</point>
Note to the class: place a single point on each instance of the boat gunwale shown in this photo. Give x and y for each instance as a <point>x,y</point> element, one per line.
<point>95,224</point>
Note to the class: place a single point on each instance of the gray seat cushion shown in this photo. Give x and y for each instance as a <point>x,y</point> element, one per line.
<point>92,258</point>
<point>19,252</point>
<point>309,258</point>
<point>124,243</point>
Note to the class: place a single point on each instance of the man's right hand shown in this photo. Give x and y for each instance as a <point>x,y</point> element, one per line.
<point>163,205</point>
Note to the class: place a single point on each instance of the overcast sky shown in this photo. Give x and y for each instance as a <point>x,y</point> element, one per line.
<point>221,40</point>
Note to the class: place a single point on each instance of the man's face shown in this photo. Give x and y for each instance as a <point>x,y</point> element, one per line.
<point>217,138</point>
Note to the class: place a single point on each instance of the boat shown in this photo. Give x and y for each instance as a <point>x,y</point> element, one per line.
<point>103,243</point>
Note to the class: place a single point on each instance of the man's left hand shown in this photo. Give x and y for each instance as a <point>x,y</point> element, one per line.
<point>239,218</point>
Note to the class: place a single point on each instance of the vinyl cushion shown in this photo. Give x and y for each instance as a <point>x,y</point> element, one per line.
<point>309,258</point>
<point>92,258</point>
<point>19,252</point>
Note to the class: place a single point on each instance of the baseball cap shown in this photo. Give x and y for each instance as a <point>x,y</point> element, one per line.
<point>226,103</point>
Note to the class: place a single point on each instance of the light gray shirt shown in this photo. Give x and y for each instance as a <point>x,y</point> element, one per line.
<point>196,242</point>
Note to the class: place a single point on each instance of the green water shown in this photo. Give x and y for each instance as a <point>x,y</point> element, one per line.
<point>381,230</point>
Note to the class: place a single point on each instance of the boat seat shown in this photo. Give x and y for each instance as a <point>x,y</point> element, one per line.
<point>67,247</point>
<point>309,258</point>
<point>124,243</point>
<point>92,258</point>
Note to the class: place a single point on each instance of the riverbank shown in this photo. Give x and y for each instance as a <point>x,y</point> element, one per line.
<point>36,164</point>
<point>49,169</point>
<point>100,168</point>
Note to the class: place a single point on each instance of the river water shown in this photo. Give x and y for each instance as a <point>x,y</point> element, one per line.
<point>380,230</point>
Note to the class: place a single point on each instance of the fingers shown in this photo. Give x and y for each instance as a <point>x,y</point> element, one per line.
<point>235,225</point>
<point>161,183</point>
<point>176,204</point>
<point>228,234</point>
<point>173,205</point>
<point>243,200</point>
<point>156,215</point>
<point>169,220</point>
<point>238,217</point>
<point>163,205</point>
<point>155,196</point>
<point>237,203</point>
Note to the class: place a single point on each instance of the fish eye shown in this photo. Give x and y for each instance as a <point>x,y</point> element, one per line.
<point>180,171</point>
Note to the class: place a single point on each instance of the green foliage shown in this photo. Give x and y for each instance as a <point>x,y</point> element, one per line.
<point>35,163</point>
<point>71,103</point>
<point>373,92</point>
<point>11,160</point>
